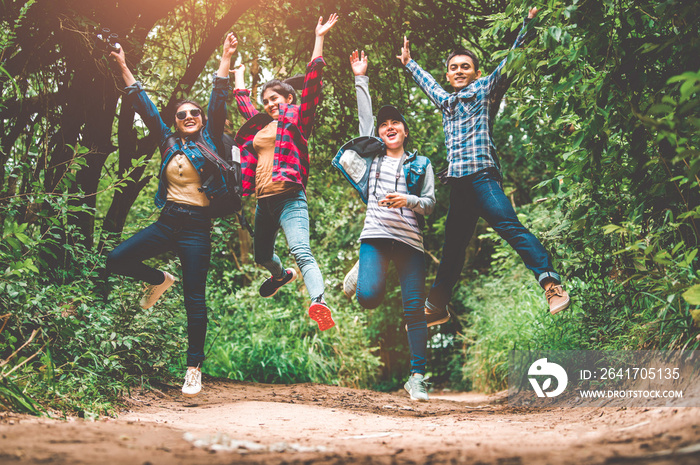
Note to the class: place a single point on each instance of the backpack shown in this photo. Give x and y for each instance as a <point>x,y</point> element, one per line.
<point>233,178</point>
<point>228,162</point>
<point>229,165</point>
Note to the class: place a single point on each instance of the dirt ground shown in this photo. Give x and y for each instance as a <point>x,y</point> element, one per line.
<point>236,422</point>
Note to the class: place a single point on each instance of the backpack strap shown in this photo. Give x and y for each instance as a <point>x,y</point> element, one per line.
<point>167,144</point>
<point>244,222</point>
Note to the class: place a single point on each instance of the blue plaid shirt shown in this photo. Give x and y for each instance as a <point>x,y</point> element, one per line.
<point>467,116</point>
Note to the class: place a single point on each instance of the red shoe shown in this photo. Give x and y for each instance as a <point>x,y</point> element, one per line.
<point>321,314</point>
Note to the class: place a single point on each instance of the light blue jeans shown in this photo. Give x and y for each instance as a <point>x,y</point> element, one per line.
<point>290,212</point>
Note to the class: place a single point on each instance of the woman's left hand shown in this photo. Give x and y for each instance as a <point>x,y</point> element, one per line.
<point>396,200</point>
<point>230,44</point>
<point>322,29</point>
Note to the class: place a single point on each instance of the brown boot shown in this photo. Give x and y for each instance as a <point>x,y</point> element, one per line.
<point>557,297</point>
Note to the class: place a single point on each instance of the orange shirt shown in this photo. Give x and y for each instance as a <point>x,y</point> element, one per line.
<point>264,144</point>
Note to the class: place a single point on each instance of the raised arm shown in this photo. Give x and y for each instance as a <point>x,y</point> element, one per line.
<point>321,30</point>
<point>139,99</point>
<point>120,58</point>
<point>216,110</point>
<point>494,78</point>
<point>358,63</point>
<point>311,93</point>
<point>239,77</point>
<point>425,80</point>
<point>242,95</point>
<point>230,45</point>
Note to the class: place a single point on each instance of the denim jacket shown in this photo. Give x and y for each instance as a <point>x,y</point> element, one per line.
<point>209,138</point>
<point>354,160</point>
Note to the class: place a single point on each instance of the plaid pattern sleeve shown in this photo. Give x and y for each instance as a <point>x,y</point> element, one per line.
<point>245,106</point>
<point>427,83</point>
<point>311,95</point>
<point>494,78</point>
<point>467,117</point>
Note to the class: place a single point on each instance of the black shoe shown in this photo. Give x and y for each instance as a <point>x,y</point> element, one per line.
<point>272,285</point>
<point>435,316</point>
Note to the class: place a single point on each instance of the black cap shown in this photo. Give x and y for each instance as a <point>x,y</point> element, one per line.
<point>390,112</point>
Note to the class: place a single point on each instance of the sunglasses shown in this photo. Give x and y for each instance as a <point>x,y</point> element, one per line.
<point>195,112</point>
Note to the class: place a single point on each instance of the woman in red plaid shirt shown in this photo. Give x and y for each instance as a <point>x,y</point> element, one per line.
<point>275,164</point>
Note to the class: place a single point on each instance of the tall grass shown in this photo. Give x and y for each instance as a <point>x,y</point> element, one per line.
<point>274,341</point>
<point>506,309</point>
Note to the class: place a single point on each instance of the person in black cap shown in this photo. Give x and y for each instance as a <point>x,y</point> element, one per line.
<point>398,188</point>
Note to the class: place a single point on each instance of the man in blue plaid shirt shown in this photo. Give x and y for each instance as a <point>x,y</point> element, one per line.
<point>474,175</point>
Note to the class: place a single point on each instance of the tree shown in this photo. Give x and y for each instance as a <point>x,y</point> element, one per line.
<point>68,94</point>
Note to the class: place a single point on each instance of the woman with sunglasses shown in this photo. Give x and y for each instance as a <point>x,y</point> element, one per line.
<point>188,182</point>
<point>398,188</point>
<point>275,164</point>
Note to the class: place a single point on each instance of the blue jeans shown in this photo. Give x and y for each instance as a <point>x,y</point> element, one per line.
<point>290,212</point>
<point>185,230</point>
<point>375,255</point>
<point>481,195</point>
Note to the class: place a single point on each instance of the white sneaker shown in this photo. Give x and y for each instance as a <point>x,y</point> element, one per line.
<point>416,387</point>
<point>154,291</point>
<point>193,382</point>
<point>350,281</point>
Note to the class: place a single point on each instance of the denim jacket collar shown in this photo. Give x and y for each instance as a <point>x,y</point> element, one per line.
<point>354,159</point>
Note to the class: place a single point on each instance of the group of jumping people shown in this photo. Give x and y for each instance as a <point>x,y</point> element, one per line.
<point>396,185</point>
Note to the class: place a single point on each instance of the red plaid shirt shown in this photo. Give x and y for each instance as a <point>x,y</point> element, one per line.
<point>294,127</point>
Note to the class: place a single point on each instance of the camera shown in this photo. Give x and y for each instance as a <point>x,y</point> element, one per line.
<point>106,41</point>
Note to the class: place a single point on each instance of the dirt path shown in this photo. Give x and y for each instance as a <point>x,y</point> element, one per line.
<point>234,422</point>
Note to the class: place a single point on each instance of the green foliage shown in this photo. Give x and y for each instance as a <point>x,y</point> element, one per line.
<point>64,341</point>
<point>13,397</point>
<point>274,341</point>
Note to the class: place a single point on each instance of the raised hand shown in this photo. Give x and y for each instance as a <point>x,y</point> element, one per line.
<point>358,63</point>
<point>322,29</point>
<point>531,14</point>
<point>230,44</point>
<point>119,56</point>
<point>239,76</point>
<point>238,70</point>
<point>405,56</point>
